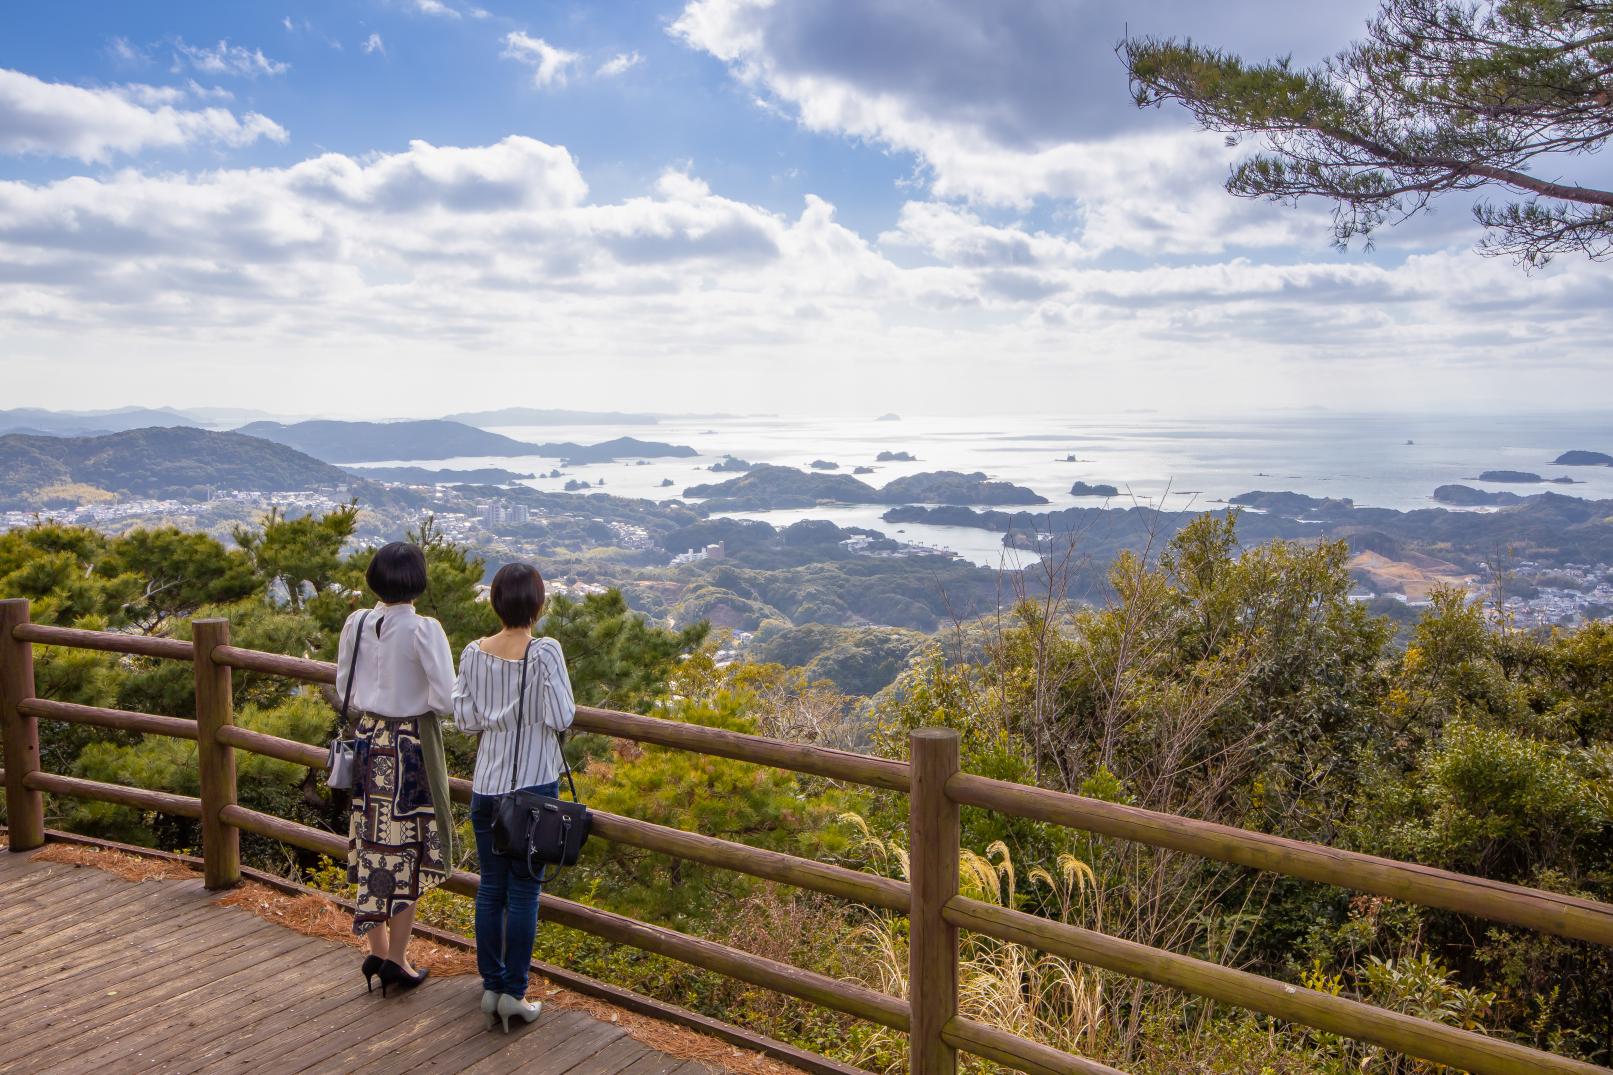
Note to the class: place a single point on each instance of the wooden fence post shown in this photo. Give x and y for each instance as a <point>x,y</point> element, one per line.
<point>25,807</point>
<point>934,834</point>
<point>215,761</point>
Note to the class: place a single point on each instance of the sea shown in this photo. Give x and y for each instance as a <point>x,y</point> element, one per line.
<point>1175,462</point>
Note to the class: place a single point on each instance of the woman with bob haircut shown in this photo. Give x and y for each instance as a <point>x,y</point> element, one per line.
<point>402,684</point>
<point>488,701</point>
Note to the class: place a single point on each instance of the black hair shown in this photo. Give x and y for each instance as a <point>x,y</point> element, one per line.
<point>397,572</point>
<point>517,595</point>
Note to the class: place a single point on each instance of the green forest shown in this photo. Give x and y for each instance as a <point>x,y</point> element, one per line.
<point>1233,683</point>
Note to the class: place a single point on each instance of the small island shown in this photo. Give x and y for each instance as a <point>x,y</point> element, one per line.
<point>1465,496</point>
<point>767,487</point>
<point>862,470</point>
<point>731,465</point>
<point>823,464</point>
<point>666,483</point>
<point>1521,477</point>
<point>896,457</point>
<point>1581,458</point>
<point>576,485</point>
<point>1103,489</point>
<point>889,418</point>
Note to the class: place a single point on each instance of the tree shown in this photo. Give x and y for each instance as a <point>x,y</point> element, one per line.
<point>1442,96</point>
<point>299,551</point>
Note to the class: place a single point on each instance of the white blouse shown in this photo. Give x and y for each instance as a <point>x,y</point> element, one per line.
<point>405,668</point>
<point>487,697</point>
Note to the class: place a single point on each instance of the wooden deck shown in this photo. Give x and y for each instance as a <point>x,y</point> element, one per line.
<point>103,975</point>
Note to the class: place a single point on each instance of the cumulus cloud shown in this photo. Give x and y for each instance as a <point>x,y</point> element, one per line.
<point>619,63</point>
<point>94,124</point>
<point>549,64</point>
<point>373,43</point>
<point>227,59</point>
<point>435,7</point>
<point>1005,105</point>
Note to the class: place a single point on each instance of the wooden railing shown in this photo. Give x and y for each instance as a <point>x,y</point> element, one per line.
<point>937,790</point>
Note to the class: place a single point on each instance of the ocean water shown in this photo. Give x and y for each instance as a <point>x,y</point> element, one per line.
<point>1377,460</point>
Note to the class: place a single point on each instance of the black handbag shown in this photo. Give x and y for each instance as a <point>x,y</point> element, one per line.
<point>341,763</point>
<point>531,828</point>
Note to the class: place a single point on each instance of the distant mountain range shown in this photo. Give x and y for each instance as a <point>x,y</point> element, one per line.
<point>86,423</point>
<point>160,462</point>
<point>369,442</point>
<point>530,416</point>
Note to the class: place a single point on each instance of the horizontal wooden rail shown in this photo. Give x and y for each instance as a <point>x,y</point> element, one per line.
<point>107,641</point>
<point>272,746</point>
<point>275,664</point>
<point>287,832</point>
<point>839,881</point>
<point>1549,912</point>
<point>849,884</point>
<point>709,955</point>
<point>782,754</point>
<point>1338,1015</point>
<point>778,753</point>
<point>1021,1054</point>
<point>820,989</point>
<point>162,802</point>
<point>122,719</point>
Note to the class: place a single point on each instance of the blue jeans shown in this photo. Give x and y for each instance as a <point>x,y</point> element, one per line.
<point>506,905</point>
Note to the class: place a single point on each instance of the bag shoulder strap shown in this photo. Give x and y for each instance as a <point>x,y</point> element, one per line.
<point>352,667</point>
<point>520,715</point>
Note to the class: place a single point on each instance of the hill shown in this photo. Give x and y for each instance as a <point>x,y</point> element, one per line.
<point>158,461</point>
<point>367,442</point>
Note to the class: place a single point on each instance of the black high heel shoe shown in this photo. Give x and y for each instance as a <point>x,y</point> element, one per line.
<point>392,974</point>
<point>370,968</point>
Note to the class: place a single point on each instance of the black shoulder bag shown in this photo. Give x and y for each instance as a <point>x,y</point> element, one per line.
<point>342,761</point>
<point>529,827</point>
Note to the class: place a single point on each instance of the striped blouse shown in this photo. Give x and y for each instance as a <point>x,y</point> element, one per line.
<point>485,703</point>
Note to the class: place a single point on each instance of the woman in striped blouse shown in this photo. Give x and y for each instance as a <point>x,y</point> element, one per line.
<point>487,702</point>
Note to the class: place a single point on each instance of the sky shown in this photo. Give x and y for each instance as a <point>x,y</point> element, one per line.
<point>390,208</point>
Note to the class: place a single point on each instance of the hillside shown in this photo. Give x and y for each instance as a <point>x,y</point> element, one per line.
<point>159,461</point>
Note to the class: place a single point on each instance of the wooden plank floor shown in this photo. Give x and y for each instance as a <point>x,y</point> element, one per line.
<point>102,975</point>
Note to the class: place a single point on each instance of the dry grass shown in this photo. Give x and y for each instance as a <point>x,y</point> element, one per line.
<point>315,915</point>
<point>128,866</point>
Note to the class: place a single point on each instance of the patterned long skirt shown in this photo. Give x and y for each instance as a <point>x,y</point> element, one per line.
<point>397,850</point>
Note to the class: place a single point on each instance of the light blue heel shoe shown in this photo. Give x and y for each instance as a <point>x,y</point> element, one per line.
<point>490,1006</point>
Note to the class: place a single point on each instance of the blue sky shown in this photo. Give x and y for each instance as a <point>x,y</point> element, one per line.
<point>830,205</point>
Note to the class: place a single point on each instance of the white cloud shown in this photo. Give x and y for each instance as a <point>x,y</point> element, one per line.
<point>619,63</point>
<point>549,64</point>
<point>227,59</point>
<point>373,43</point>
<point>435,7</point>
<point>418,256</point>
<point>62,120</point>
<point>121,49</point>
